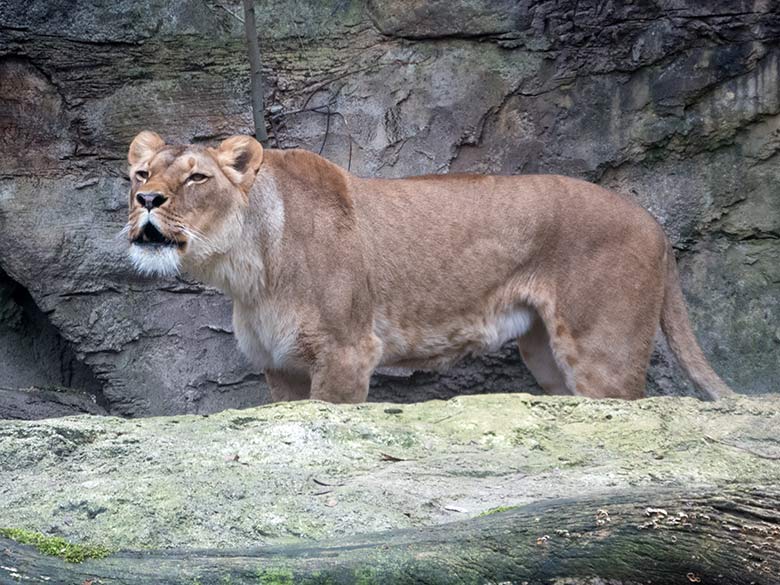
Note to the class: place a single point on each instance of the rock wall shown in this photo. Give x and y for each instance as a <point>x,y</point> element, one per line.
<point>673,102</point>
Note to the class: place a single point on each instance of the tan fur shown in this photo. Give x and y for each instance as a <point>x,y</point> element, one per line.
<point>332,275</point>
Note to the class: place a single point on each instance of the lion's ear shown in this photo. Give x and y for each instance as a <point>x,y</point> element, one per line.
<point>144,146</point>
<point>240,158</point>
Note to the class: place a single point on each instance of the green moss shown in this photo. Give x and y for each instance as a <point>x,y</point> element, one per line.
<point>275,577</point>
<point>317,578</point>
<point>367,576</point>
<point>496,510</point>
<point>55,546</point>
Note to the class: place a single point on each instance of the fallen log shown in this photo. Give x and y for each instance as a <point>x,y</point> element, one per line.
<point>727,536</point>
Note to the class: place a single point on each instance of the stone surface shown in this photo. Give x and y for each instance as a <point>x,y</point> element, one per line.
<point>295,472</point>
<point>673,102</point>
<point>37,403</point>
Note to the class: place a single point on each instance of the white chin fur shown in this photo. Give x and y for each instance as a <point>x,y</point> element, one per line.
<point>155,261</point>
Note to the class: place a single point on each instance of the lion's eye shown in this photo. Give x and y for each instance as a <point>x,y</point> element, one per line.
<point>141,175</point>
<point>196,178</point>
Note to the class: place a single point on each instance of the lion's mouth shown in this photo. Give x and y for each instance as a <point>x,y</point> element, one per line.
<point>151,236</point>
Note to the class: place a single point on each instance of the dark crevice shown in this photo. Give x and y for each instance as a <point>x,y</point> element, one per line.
<point>33,354</point>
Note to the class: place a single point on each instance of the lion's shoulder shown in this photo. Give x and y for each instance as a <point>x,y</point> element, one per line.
<point>314,174</point>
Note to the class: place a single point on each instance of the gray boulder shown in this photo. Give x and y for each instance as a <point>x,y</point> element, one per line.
<point>312,490</point>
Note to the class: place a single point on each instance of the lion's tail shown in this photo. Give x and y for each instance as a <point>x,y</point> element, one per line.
<point>677,327</point>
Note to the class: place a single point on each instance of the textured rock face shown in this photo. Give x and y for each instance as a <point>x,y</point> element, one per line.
<point>673,103</point>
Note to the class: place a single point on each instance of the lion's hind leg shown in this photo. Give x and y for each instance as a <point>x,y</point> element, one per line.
<point>538,356</point>
<point>599,364</point>
<point>608,358</point>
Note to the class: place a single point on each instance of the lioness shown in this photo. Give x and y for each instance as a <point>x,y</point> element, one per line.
<point>333,275</point>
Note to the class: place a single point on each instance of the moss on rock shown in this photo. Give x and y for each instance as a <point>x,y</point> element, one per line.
<point>303,471</point>
<point>55,546</point>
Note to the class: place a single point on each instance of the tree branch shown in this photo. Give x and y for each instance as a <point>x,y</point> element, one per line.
<point>256,72</point>
<point>723,535</point>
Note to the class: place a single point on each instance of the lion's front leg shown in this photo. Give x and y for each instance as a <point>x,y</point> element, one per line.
<point>342,373</point>
<point>287,386</point>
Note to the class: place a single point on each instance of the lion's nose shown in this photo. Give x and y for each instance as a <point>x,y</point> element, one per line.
<point>150,200</point>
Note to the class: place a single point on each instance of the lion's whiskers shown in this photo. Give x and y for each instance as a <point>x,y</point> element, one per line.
<point>125,230</point>
<point>197,236</point>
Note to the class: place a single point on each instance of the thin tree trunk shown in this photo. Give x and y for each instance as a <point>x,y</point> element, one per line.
<point>256,72</point>
<point>715,536</point>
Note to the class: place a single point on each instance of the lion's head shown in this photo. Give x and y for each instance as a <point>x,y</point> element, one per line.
<point>186,202</point>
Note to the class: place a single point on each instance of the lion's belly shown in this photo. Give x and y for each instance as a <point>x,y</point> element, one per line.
<point>433,347</point>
